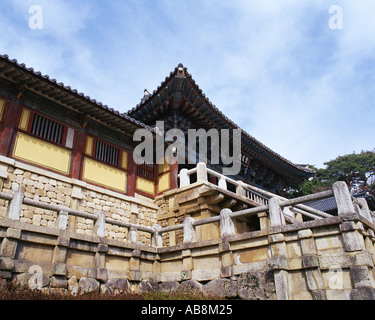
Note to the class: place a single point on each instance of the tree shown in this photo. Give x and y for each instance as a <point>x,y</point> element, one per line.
<point>357,170</point>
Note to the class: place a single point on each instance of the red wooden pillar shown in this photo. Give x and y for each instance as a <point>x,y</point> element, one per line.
<point>10,123</point>
<point>131,175</point>
<point>78,153</point>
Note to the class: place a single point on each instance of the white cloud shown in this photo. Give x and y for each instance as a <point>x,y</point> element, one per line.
<point>275,68</point>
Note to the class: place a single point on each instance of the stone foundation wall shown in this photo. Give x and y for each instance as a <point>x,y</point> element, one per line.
<point>52,188</point>
<point>330,258</point>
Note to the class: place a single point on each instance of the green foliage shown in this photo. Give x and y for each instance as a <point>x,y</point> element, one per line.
<point>357,170</point>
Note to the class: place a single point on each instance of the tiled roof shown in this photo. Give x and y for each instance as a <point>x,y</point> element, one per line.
<point>215,116</point>
<point>329,204</point>
<point>30,79</point>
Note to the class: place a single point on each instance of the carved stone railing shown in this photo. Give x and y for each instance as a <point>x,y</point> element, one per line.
<point>280,210</point>
<point>17,199</point>
<point>242,189</point>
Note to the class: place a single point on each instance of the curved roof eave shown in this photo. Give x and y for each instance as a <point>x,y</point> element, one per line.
<point>302,170</point>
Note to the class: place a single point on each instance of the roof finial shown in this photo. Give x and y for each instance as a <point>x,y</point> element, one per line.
<point>180,70</point>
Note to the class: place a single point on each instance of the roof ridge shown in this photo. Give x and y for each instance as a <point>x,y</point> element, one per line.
<point>189,75</point>
<point>73,91</point>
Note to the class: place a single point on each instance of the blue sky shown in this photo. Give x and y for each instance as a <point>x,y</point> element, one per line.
<point>275,68</point>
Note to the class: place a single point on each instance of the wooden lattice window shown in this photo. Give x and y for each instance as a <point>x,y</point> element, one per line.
<point>47,129</point>
<point>146,170</point>
<point>106,153</point>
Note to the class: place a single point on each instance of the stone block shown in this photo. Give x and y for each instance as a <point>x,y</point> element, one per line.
<point>363,294</point>
<point>191,285</point>
<point>308,246</point>
<point>185,275</point>
<point>73,285</point>
<point>206,274</point>
<point>149,285</point>
<point>8,248</point>
<point>88,285</point>
<point>102,248</point>
<point>281,285</point>
<point>6,263</point>
<point>305,233</point>
<point>250,286</point>
<point>314,279</point>
<point>348,226</point>
<point>115,286</point>
<point>361,276</point>
<point>135,275</point>
<point>277,263</point>
<point>169,286</point>
<point>76,271</point>
<point>63,241</point>
<point>278,237</point>
<point>58,282</point>
<point>102,274</point>
<point>13,233</point>
<point>310,261</point>
<point>226,272</point>
<point>353,241</point>
<point>60,269</point>
<point>30,280</point>
<point>222,288</point>
<point>318,294</point>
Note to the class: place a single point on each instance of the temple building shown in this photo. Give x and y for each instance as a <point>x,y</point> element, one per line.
<point>82,210</point>
<point>50,125</point>
<point>51,129</point>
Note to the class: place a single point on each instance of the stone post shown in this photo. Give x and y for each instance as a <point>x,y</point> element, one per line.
<point>226,223</point>
<point>3,175</point>
<point>310,263</point>
<point>240,191</point>
<point>189,230</point>
<point>276,214</point>
<point>201,172</point>
<point>227,260</point>
<point>132,235</point>
<point>264,221</point>
<point>353,242</point>
<point>100,264</point>
<point>8,249</point>
<point>184,178</point>
<point>62,220</point>
<point>187,265</point>
<point>134,266</point>
<point>59,255</point>
<point>279,264</point>
<point>157,240</point>
<point>76,197</point>
<point>15,205</point>
<point>222,183</point>
<point>364,210</point>
<point>343,198</point>
<point>99,226</point>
